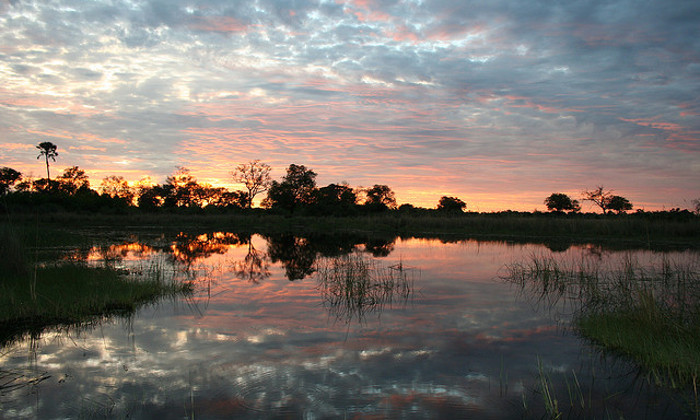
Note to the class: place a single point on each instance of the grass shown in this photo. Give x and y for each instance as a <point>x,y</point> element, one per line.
<point>639,230</point>
<point>354,286</point>
<point>649,313</point>
<point>35,295</point>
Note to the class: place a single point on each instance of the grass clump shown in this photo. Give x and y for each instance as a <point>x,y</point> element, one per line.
<point>668,350</point>
<point>649,313</point>
<point>353,285</point>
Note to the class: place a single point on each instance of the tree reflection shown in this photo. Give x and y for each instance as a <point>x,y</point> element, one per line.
<point>254,267</point>
<point>113,254</point>
<point>188,248</point>
<point>380,247</point>
<point>297,255</point>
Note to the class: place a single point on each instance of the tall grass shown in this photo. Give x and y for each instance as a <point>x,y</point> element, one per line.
<point>12,254</point>
<point>353,286</point>
<point>649,313</point>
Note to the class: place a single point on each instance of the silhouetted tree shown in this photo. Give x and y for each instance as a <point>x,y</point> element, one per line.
<point>8,178</point>
<point>619,204</point>
<point>379,198</point>
<point>48,150</point>
<point>151,197</point>
<point>599,197</point>
<point>297,189</point>
<point>255,176</point>
<point>561,202</point>
<point>335,199</point>
<point>181,188</point>
<point>117,187</point>
<point>73,179</point>
<point>451,205</point>
<point>232,200</point>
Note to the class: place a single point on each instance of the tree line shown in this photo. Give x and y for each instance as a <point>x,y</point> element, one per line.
<point>295,193</point>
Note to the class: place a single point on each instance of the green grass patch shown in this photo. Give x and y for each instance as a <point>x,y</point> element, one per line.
<point>649,313</point>
<point>668,350</point>
<point>75,293</point>
<point>36,295</point>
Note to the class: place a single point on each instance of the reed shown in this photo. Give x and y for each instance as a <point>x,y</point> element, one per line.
<point>649,313</point>
<point>353,285</point>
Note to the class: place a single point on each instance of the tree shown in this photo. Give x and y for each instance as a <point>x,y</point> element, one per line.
<point>379,198</point>
<point>696,206</point>
<point>561,202</point>
<point>8,178</point>
<point>451,205</point>
<point>606,200</point>
<point>152,196</point>
<point>48,150</point>
<point>72,180</point>
<point>255,176</point>
<point>297,189</point>
<point>599,197</point>
<point>619,204</point>
<point>181,188</point>
<point>336,199</point>
<point>117,187</point>
<point>232,200</point>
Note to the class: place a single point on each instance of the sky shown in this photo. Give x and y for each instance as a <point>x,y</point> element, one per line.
<point>499,103</point>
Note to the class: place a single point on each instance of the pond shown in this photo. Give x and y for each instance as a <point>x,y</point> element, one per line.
<point>276,330</point>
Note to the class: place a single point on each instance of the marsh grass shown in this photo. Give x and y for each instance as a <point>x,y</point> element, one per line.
<point>74,293</point>
<point>645,229</point>
<point>649,313</point>
<point>354,286</point>
<point>37,295</point>
<point>12,254</point>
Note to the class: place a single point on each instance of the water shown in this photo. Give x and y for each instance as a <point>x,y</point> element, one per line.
<point>265,337</point>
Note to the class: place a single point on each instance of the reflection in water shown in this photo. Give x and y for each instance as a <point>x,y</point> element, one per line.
<point>188,248</point>
<point>380,247</point>
<point>255,267</point>
<point>354,286</point>
<point>298,255</point>
<point>264,347</point>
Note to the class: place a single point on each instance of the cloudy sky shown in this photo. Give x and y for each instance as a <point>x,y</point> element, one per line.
<point>497,102</point>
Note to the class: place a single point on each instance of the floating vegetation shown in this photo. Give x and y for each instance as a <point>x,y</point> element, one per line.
<point>354,286</point>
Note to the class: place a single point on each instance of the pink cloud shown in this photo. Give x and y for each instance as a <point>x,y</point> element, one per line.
<point>523,102</point>
<point>222,24</point>
<point>654,124</point>
<point>403,34</point>
<point>88,148</point>
<point>16,146</point>
<point>77,136</point>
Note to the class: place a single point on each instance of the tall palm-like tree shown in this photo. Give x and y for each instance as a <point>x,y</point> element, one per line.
<point>48,150</point>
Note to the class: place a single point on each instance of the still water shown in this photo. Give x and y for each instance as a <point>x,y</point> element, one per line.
<point>437,333</point>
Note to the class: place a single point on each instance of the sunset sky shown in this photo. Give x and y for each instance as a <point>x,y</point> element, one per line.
<point>499,103</point>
